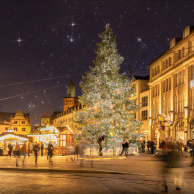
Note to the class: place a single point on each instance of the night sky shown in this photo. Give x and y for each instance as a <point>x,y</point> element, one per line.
<point>49,39</point>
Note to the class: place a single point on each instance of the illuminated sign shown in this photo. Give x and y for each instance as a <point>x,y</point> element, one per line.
<point>192,84</point>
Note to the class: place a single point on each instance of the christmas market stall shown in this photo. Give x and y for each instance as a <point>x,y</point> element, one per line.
<point>7,138</point>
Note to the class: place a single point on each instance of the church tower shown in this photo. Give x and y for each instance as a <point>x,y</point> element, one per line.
<point>71,99</point>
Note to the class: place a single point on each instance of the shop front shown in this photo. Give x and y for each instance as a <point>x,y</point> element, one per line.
<point>7,138</point>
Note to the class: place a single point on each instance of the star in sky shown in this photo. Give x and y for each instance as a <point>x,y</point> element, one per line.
<point>19,40</point>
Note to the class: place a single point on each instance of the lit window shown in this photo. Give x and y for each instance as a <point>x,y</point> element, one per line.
<point>15,122</point>
<point>23,122</point>
<point>23,129</point>
<point>15,128</point>
<point>144,115</point>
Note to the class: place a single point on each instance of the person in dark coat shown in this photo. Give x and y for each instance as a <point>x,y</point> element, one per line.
<point>50,150</point>
<point>36,149</point>
<point>99,142</point>
<point>143,146</point>
<point>42,148</point>
<point>172,166</point>
<point>124,146</point>
<point>148,145</point>
<point>10,149</point>
<point>152,146</point>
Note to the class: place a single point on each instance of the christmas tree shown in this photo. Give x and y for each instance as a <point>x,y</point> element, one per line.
<point>105,94</point>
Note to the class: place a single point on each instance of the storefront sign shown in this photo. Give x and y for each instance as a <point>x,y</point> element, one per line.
<point>192,84</point>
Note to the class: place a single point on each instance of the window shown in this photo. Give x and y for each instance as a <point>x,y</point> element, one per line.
<point>15,122</point>
<point>180,78</point>
<point>158,69</point>
<point>180,103</point>
<point>183,52</point>
<point>179,54</point>
<point>23,122</point>
<point>169,83</point>
<point>152,72</point>
<point>62,140</point>
<point>6,128</point>
<point>144,101</point>
<point>170,61</point>
<point>163,86</point>
<point>177,83</point>
<point>183,72</point>
<point>155,71</point>
<point>176,104</point>
<point>144,115</point>
<point>166,63</point>
<point>23,129</point>
<point>15,128</point>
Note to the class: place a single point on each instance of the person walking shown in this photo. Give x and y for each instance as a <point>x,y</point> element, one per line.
<point>148,146</point>
<point>186,151</point>
<point>124,146</point>
<point>23,152</point>
<point>180,147</point>
<point>99,142</point>
<point>172,167</point>
<point>42,148</point>
<point>36,149</point>
<point>142,146</point>
<point>50,152</point>
<point>17,152</point>
<point>152,146</point>
<point>10,146</point>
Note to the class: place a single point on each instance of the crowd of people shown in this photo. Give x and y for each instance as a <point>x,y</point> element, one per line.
<point>32,148</point>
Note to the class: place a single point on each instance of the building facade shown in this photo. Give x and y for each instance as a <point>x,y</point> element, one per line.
<point>19,122</point>
<point>172,87</point>
<point>141,94</point>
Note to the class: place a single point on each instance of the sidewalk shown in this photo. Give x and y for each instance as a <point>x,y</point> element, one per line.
<point>143,165</point>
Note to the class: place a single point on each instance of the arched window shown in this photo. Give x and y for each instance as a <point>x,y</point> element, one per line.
<point>192,129</point>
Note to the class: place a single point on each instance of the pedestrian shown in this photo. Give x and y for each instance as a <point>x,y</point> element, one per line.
<point>10,146</point>
<point>42,148</point>
<point>180,147</point>
<point>124,146</point>
<point>99,142</point>
<point>191,148</point>
<point>186,151</point>
<point>23,152</point>
<point>50,152</point>
<point>171,168</point>
<point>17,152</point>
<point>36,149</point>
<point>29,148</point>
<point>152,145</point>
<point>148,145</point>
<point>142,146</point>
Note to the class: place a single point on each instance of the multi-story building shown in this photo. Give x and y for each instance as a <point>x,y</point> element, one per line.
<point>18,123</point>
<point>141,94</point>
<point>172,87</point>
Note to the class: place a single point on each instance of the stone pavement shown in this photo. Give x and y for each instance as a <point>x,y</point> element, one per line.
<point>138,174</point>
<point>143,164</point>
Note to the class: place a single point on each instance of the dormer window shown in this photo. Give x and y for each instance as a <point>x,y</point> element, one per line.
<point>186,32</point>
<point>172,43</point>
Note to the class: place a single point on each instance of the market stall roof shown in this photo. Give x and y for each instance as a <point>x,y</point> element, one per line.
<point>12,136</point>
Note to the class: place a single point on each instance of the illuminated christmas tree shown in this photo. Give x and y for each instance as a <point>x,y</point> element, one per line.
<point>105,94</point>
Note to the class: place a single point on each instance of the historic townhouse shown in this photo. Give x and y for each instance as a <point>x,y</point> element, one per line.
<point>141,94</point>
<point>172,87</point>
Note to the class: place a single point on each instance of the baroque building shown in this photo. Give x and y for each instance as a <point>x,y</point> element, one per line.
<point>19,123</point>
<point>141,94</point>
<point>172,87</point>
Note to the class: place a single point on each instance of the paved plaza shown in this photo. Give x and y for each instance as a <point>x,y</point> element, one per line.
<point>111,174</point>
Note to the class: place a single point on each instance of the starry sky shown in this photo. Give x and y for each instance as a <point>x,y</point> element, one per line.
<point>43,43</point>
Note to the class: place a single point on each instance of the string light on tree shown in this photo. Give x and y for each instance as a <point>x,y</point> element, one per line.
<point>105,94</point>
